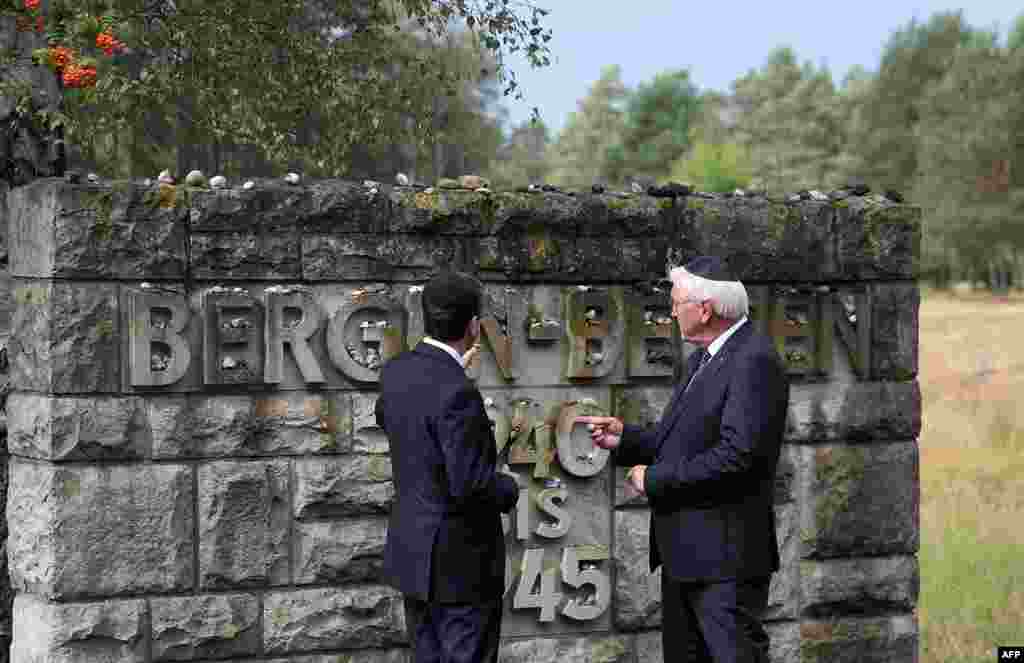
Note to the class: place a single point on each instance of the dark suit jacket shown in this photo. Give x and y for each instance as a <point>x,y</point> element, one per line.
<point>712,460</point>
<point>444,539</point>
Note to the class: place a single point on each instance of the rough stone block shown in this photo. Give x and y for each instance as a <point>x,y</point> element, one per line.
<point>118,231</point>
<point>77,428</point>
<point>243,425</point>
<point>637,590</point>
<point>90,531</point>
<point>345,257</point>
<point>592,649</point>
<point>267,208</point>
<point>64,337</point>
<point>497,258</point>
<point>442,212</point>
<point>421,257</point>
<point>245,255</point>
<point>649,648</point>
<point>364,656</point>
<point>186,628</point>
<point>859,499</point>
<point>762,240</point>
<point>784,592</point>
<point>894,330</point>
<point>636,216</point>
<point>243,524</point>
<point>598,258</point>
<point>515,212</point>
<point>343,487</point>
<point>340,207</point>
<point>855,411</point>
<point>332,618</point>
<point>339,551</point>
<point>548,257</point>
<point>783,642</point>
<point>79,632</point>
<point>640,406</point>
<point>871,640</point>
<point>877,239</point>
<point>648,258</point>
<point>785,475</point>
<point>367,437</point>
<point>870,585</point>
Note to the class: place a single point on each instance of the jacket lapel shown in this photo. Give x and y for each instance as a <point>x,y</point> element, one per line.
<point>437,354</point>
<point>720,359</point>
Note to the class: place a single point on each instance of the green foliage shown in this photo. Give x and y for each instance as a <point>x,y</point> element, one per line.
<point>523,159</point>
<point>789,124</point>
<point>290,81</point>
<point>714,167</point>
<point>579,156</point>
<point>657,125</point>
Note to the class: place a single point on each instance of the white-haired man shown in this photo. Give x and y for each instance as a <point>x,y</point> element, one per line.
<point>708,471</point>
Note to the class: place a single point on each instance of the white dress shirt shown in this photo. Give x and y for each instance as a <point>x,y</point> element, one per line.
<point>717,344</point>
<point>447,348</point>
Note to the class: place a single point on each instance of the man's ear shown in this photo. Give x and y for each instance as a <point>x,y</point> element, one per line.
<point>474,328</point>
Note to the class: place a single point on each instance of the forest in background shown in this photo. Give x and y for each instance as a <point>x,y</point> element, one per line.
<point>939,121</point>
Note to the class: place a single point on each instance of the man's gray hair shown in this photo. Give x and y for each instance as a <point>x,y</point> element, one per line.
<point>728,298</point>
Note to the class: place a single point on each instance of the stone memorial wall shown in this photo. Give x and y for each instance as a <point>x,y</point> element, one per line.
<point>196,474</point>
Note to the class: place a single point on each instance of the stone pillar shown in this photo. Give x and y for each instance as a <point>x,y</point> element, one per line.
<point>196,471</point>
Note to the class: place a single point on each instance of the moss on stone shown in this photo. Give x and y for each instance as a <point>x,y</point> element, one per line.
<point>840,204</point>
<point>608,651</point>
<point>102,205</point>
<point>378,469</point>
<point>422,200</point>
<point>780,218</point>
<point>665,203</point>
<point>839,471</point>
<point>694,203</point>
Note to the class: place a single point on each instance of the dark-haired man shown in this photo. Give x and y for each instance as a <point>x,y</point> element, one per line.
<point>708,471</point>
<point>445,549</point>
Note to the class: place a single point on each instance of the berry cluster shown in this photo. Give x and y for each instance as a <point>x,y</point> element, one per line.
<point>107,43</point>
<point>78,76</point>
<point>32,5</point>
<point>61,56</point>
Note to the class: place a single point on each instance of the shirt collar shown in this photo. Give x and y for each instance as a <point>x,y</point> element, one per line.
<point>717,344</point>
<point>447,348</point>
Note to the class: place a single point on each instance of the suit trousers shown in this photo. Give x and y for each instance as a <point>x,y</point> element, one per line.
<point>714,622</point>
<point>453,632</point>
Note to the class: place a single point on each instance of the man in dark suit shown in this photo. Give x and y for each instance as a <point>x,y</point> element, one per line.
<point>445,549</point>
<point>708,470</point>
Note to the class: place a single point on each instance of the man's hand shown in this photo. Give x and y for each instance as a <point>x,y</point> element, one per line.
<point>635,478</point>
<point>606,432</point>
<point>470,356</point>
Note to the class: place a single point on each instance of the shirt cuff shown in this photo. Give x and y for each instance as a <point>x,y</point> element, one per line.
<point>653,479</point>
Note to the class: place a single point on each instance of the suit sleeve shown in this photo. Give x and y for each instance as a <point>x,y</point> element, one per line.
<point>753,422</point>
<point>636,447</point>
<point>470,455</point>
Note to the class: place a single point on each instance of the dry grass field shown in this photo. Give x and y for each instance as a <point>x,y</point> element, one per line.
<point>972,476</point>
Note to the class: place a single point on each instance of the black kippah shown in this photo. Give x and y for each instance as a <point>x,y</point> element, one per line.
<point>709,267</point>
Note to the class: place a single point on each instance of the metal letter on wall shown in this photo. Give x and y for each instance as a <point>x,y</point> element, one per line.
<point>651,332</point>
<point>286,328</point>
<point>595,327</point>
<point>800,321</point>
<point>577,454</point>
<point>158,353</point>
<point>232,338</point>
<point>363,334</point>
